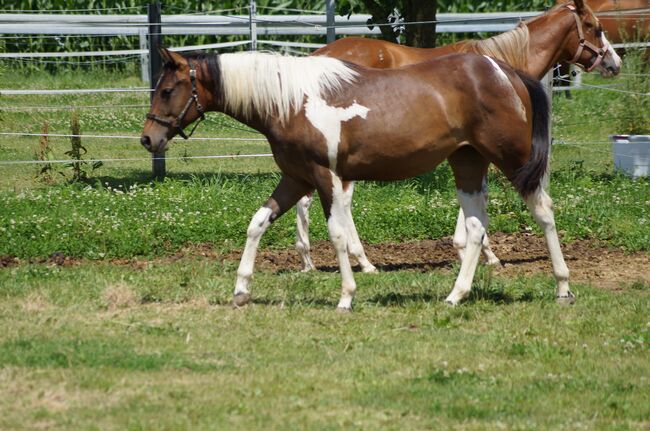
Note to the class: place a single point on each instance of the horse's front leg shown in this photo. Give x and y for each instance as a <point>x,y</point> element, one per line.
<point>285,196</point>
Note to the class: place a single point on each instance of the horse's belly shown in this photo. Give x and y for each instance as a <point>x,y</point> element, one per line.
<point>397,166</point>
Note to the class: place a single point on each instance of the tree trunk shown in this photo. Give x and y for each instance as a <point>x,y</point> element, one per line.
<point>420,35</point>
<point>380,12</point>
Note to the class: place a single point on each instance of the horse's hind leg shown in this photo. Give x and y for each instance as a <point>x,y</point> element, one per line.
<point>354,243</point>
<point>465,160</point>
<point>302,232</point>
<point>285,196</point>
<point>541,206</point>
<point>469,171</point>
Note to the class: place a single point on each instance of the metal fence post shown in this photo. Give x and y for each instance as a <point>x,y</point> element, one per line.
<point>155,66</point>
<point>252,16</point>
<point>331,31</point>
<point>144,58</point>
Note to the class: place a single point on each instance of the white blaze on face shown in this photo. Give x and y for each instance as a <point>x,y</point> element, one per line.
<point>610,49</point>
<point>516,101</point>
<point>327,119</point>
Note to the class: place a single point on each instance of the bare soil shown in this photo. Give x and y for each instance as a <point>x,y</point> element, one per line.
<point>588,261</point>
<point>521,254</point>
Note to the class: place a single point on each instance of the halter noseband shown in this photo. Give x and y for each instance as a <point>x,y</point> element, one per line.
<point>194,98</point>
<point>599,52</point>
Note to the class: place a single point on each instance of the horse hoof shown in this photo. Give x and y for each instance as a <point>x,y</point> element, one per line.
<point>450,303</point>
<point>369,269</point>
<point>494,262</point>
<point>343,310</point>
<point>241,299</point>
<point>566,300</point>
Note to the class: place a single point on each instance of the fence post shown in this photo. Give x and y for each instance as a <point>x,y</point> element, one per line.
<point>155,65</point>
<point>331,31</point>
<point>252,16</point>
<point>144,58</point>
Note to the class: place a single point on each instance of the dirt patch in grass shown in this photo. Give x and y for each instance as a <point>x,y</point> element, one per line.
<point>589,261</point>
<point>521,254</point>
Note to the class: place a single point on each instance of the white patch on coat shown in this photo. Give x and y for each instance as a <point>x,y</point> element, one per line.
<point>327,120</point>
<point>516,101</point>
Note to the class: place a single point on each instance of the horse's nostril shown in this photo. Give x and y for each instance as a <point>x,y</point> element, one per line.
<point>146,142</point>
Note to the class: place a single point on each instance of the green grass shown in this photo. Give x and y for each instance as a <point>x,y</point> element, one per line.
<point>157,346</point>
<point>176,356</point>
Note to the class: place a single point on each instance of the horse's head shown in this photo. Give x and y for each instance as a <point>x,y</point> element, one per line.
<point>176,102</point>
<point>590,48</point>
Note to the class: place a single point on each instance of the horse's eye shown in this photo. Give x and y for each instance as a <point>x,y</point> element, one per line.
<point>167,92</point>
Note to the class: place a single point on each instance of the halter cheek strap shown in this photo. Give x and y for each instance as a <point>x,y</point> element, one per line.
<point>599,52</point>
<point>178,121</point>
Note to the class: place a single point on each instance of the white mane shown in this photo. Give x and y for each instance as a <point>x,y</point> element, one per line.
<point>277,84</point>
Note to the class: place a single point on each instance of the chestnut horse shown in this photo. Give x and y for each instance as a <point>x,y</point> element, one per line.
<point>569,32</point>
<point>330,123</point>
<point>623,21</point>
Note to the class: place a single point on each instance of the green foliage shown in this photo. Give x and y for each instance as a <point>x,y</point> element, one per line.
<point>634,118</point>
<point>77,151</point>
<point>44,154</point>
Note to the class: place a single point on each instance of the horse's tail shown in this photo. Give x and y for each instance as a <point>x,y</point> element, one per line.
<point>530,176</point>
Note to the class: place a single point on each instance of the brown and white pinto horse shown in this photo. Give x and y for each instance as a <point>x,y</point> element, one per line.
<point>330,123</point>
<point>534,47</point>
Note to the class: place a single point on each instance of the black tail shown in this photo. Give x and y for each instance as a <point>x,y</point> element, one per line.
<point>528,177</point>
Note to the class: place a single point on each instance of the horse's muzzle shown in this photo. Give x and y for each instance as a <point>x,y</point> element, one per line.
<point>146,142</point>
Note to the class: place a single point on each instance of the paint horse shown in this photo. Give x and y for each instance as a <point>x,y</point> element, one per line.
<point>569,32</point>
<point>330,123</point>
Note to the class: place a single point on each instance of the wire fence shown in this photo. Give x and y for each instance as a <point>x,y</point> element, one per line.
<point>225,18</point>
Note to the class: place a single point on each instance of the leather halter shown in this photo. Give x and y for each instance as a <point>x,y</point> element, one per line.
<point>176,123</point>
<point>599,52</point>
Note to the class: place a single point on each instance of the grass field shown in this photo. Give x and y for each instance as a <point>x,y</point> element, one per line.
<point>152,342</point>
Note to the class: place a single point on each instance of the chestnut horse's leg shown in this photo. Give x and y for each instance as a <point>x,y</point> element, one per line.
<point>354,243</point>
<point>285,196</point>
<point>302,232</point>
<point>541,206</point>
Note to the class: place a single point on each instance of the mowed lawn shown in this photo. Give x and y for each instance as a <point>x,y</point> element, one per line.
<point>153,343</point>
<point>100,346</point>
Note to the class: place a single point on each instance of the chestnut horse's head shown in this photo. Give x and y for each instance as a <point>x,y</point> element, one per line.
<point>179,99</point>
<point>593,50</point>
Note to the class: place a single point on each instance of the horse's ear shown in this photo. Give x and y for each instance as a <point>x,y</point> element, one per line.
<point>172,57</point>
<point>164,54</point>
<point>580,6</point>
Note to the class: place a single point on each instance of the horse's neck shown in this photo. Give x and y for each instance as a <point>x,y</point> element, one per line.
<point>547,39</point>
